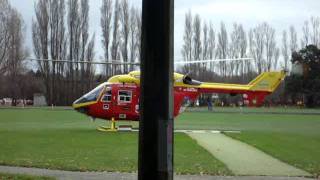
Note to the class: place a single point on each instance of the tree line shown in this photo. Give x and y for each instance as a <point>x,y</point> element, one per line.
<point>60,30</point>
<point>12,51</point>
<point>53,38</point>
<point>201,40</point>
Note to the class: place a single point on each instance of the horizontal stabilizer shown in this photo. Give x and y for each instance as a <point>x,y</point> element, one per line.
<point>267,81</point>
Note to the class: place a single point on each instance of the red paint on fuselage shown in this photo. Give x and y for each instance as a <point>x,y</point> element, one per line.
<point>129,110</point>
<point>116,108</point>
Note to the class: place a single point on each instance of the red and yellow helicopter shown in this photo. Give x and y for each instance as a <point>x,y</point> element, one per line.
<point>118,98</point>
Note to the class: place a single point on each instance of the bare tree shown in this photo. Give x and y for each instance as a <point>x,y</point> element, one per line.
<point>270,45</point>
<point>133,36</point>
<point>205,48</point>
<point>187,39</point>
<point>139,26</point>
<point>315,31</point>
<point>74,32</point>
<point>115,38</point>
<point>238,48</point>
<point>85,46</point>
<point>197,37</point>
<point>276,56</point>
<point>257,45</point>
<point>285,50</point>
<point>57,46</point>
<point>16,51</point>
<point>212,45</point>
<point>4,33</point>
<point>89,68</point>
<point>51,40</point>
<point>105,21</point>
<point>311,32</point>
<point>222,49</point>
<point>78,17</point>
<point>125,31</point>
<point>263,47</point>
<point>197,47</point>
<point>84,27</point>
<point>234,47</point>
<point>293,39</point>
<point>243,49</point>
<point>306,34</point>
<point>205,44</point>
<point>40,36</point>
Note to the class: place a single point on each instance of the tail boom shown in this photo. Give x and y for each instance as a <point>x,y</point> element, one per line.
<point>254,93</point>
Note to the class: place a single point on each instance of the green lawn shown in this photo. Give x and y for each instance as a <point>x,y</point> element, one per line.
<point>294,139</point>
<point>22,177</point>
<point>300,150</point>
<point>270,110</point>
<point>285,123</point>
<point>63,139</point>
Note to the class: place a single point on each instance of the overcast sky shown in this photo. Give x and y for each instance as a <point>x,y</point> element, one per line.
<point>278,13</point>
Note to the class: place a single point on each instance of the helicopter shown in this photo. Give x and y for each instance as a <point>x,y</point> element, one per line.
<point>117,99</point>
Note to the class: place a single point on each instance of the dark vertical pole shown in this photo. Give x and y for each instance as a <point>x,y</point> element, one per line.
<point>156,121</point>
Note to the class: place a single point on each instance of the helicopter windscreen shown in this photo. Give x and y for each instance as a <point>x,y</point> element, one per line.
<point>93,95</point>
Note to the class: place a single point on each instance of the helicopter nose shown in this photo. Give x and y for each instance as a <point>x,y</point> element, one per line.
<point>80,106</point>
<point>83,110</point>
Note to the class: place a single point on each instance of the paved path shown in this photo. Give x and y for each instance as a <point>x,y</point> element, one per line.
<point>68,175</point>
<point>243,159</point>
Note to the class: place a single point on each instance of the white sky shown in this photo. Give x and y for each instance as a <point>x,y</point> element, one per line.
<point>278,13</point>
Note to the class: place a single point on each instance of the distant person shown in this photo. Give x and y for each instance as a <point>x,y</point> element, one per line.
<point>209,102</point>
<point>197,103</point>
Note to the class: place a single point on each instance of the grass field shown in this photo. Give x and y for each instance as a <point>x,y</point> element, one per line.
<point>264,110</point>
<point>22,177</point>
<point>294,139</point>
<point>64,139</point>
<point>285,123</point>
<point>68,140</point>
<point>302,151</point>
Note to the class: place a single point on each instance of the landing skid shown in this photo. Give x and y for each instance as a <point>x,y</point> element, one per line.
<point>112,128</point>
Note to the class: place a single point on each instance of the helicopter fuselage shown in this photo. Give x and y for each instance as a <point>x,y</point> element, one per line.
<point>119,97</point>
<point>121,102</point>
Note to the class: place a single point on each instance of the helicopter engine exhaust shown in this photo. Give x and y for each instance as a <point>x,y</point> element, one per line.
<point>188,80</point>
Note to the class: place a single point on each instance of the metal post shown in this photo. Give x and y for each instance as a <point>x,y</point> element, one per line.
<point>156,121</point>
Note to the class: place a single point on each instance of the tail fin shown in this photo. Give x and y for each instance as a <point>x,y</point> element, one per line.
<point>267,81</point>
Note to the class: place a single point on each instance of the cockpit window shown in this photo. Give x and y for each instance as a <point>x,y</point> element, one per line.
<point>92,95</point>
<point>107,96</point>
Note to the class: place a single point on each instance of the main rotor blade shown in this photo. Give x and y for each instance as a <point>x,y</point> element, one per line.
<point>212,60</point>
<point>117,62</point>
<point>113,62</point>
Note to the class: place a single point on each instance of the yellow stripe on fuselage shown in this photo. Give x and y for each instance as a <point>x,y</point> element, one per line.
<point>75,106</point>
